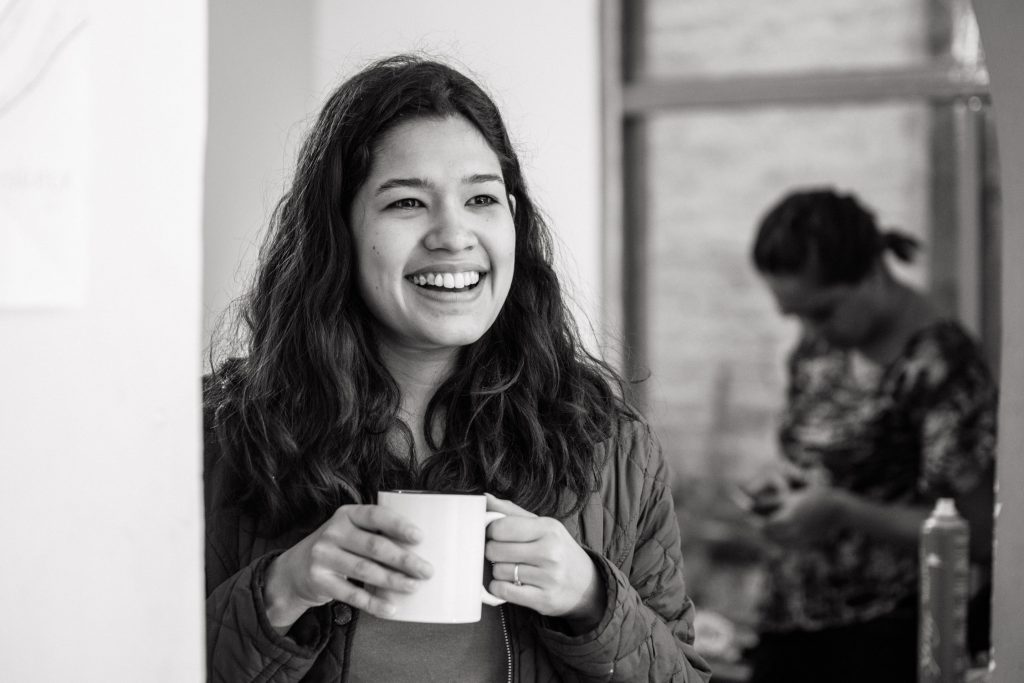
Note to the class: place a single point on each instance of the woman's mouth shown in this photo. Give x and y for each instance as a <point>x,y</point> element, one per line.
<point>447,282</point>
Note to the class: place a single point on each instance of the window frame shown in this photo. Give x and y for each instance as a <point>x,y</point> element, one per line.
<point>964,249</point>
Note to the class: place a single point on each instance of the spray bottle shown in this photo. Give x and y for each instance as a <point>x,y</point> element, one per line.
<point>945,573</point>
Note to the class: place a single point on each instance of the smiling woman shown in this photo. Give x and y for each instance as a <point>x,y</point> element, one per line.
<point>406,330</point>
<point>433,232</point>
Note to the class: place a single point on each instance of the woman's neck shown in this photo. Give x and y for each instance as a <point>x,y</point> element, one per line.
<point>418,374</point>
<point>903,314</point>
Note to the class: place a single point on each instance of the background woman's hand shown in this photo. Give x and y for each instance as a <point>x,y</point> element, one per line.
<point>558,577</point>
<point>357,548</point>
<point>762,492</point>
<point>805,515</point>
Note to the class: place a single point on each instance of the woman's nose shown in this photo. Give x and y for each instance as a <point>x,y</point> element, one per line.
<point>450,232</point>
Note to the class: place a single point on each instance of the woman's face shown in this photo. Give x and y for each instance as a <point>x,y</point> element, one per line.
<point>434,237</point>
<point>845,315</point>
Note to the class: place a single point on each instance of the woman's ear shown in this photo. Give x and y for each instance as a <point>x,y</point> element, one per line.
<point>512,204</point>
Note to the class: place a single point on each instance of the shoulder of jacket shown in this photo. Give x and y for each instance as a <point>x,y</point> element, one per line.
<point>633,467</point>
<point>632,452</point>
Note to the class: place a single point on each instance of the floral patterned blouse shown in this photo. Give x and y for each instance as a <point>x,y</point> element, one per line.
<point>920,428</point>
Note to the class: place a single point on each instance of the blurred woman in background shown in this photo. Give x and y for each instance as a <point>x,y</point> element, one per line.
<point>890,406</point>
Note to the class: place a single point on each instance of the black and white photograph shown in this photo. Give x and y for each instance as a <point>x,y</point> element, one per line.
<point>408,341</point>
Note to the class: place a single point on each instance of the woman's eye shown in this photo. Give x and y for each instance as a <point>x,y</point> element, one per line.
<point>407,203</point>
<point>482,200</point>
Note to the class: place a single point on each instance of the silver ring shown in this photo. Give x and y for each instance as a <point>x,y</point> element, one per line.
<point>515,575</point>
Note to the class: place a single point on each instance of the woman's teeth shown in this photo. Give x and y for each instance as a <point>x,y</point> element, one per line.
<point>447,280</point>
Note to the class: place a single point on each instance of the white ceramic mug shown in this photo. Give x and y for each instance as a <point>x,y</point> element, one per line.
<point>454,529</point>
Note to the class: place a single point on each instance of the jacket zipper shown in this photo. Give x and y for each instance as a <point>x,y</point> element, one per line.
<point>346,658</point>
<point>508,641</point>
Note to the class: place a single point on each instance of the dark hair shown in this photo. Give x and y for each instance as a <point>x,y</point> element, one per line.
<point>835,234</point>
<point>308,412</point>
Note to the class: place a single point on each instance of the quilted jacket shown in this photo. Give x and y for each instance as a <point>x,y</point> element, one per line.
<point>629,527</point>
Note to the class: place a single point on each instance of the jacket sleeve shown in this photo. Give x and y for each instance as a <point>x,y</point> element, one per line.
<point>646,633</point>
<point>241,645</point>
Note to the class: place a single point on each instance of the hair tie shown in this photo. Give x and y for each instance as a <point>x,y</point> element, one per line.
<point>902,245</point>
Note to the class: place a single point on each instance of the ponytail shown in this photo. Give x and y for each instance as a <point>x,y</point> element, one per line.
<point>902,245</point>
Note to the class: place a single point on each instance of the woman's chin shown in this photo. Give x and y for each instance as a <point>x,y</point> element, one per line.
<point>455,340</point>
<point>446,339</point>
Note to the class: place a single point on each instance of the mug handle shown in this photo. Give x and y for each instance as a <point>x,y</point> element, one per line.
<point>486,597</point>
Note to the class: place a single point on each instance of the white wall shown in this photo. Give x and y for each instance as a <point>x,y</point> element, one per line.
<point>538,59</point>
<point>260,96</point>
<point>100,503</point>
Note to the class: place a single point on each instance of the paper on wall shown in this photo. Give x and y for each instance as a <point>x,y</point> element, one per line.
<point>44,134</point>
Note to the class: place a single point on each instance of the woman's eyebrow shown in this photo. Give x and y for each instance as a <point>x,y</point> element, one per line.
<point>392,183</point>
<point>483,178</point>
<point>424,184</point>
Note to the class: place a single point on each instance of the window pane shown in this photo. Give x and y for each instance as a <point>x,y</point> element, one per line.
<point>717,344</point>
<point>718,37</point>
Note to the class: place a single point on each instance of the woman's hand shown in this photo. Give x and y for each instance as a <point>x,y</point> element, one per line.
<point>762,493</point>
<point>557,577</point>
<point>805,515</point>
<point>356,549</point>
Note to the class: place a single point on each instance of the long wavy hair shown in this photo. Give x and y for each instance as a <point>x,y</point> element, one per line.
<point>834,232</point>
<point>307,413</point>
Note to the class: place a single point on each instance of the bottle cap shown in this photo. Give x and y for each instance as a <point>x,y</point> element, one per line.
<point>945,507</point>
